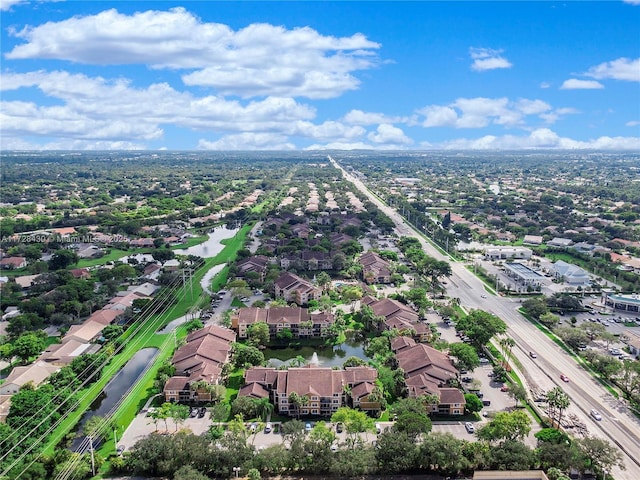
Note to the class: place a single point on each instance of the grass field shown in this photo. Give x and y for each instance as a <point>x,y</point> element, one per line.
<point>112,256</point>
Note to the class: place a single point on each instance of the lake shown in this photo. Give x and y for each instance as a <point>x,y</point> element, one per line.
<point>323,356</point>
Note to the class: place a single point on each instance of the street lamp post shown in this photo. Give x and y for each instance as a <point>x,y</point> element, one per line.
<point>236,470</point>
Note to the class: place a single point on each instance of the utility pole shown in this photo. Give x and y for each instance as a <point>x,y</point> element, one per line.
<point>93,460</point>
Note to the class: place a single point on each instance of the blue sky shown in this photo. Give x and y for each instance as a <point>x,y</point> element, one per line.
<point>320,75</point>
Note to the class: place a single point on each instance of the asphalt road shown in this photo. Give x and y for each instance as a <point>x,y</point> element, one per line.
<point>617,425</point>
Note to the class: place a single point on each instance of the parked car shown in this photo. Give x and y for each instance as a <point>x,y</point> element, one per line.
<point>339,427</point>
<point>267,427</point>
<point>467,379</point>
<point>307,427</point>
<point>595,414</point>
<point>202,412</point>
<point>564,378</point>
<point>504,388</point>
<point>193,413</point>
<point>469,427</point>
<point>120,450</point>
<point>484,361</point>
<point>486,403</point>
<point>378,428</point>
<point>253,427</point>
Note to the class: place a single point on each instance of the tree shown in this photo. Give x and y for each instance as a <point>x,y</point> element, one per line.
<point>413,424</point>
<point>187,472</point>
<point>258,334</point>
<point>162,254</point>
<point>535,307</point>
<point>396,451</point>
<point>506,426</point>
<point>592,329</point>
<point>246,355</point>
<point>353,362</point>
<point>323,280</point>
<point>355,422</point>
<point>507,343</point>
<point>600,454</point>
<point>549,320</point>
<point>517,392</point>
<point>378,346</point>
<point>179,413</point>
<point>473,403</point>
<point>298,401</point>
<point>480,326</point>
<point>558,401</point>
<point>244,406</point>
<point>443,453</point>
<point>352,294</point>
<point>264,408</point>
<point>466,356</point>
<point>62,259</point>
<point>512,455</point>
<point>29,345</point>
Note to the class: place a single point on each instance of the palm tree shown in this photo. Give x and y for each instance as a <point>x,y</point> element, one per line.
<point>558,402</point>
<point>264,408</point>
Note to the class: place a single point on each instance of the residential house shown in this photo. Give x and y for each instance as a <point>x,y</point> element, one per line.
<point>293,288</point>
<point>375,269</point>
<point>532,240</point>
<point>256,264</point>
<point>299,321</point>
<point>560,242</point>
<point>81,273</point>
<point>35,373</point>
<point>199,361</point>
<point>324,389</point>
<point>398,316</point>
<point>26,281</point>
<point>141,243</point>
<point>13,263</point>
<point>61,354</point>
<point>308,260</point>
<point>428,372</point>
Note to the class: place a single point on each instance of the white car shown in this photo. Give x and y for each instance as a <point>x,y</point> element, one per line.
<point>469,427</point>
<point>484,295</point>
<point>595,414</point>
<point>267,427</point>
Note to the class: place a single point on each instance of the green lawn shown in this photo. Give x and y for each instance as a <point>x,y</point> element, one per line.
<point>191,242</point>
<point>112,256</point>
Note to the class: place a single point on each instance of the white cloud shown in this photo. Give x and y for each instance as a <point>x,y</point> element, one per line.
<point>358,117</point>
<point>554,115</point>
<point>7,4</point>
<point>248,141</point>
<point>542,138</point>
<point>388,134</point>
<point>487,59</point>
<point>439,116</point>
<point>260,59</point>
<point>619,69</point>
<point>98,108</point>
<point>545,85</point>
<point>576,84</point>
<point>632,2</point>
<point>480,112</point>
<point>632,123</point>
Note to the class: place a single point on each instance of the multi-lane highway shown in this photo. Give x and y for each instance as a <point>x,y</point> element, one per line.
<point>617,424</point>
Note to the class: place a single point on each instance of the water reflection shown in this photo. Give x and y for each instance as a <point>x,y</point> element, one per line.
<point>321,356</point>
